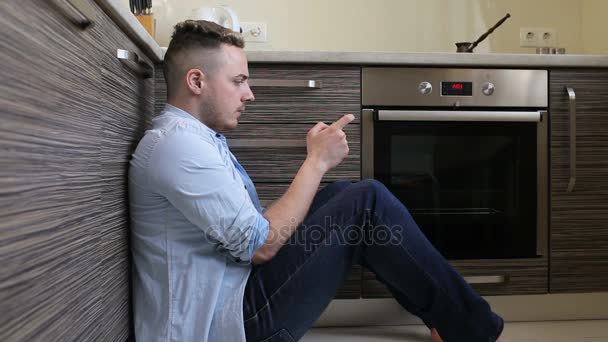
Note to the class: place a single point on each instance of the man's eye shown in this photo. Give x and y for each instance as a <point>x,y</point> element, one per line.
<point>239,81</point>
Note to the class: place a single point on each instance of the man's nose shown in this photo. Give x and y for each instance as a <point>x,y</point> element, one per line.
<point>248,95</point>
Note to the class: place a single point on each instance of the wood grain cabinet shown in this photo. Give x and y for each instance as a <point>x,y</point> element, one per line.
<point>127,88</point>
<point>579,218</point>
<point>270,141</point>
<point>71,114</point>
<point>289,100</point>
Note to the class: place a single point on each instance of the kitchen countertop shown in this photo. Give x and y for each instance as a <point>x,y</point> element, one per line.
<point>121,14</point>
<point>428,59</point>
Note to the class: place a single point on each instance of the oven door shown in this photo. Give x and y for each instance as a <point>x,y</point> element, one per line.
<point>472,180</point>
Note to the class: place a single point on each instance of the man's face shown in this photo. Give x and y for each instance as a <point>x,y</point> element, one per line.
<point>226,90</point>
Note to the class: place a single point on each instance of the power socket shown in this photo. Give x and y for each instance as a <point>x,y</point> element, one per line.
<point>537,37</point>
<point>254,32</point>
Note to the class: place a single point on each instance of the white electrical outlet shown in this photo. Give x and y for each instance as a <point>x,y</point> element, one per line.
<point>254,32</point>
<point>537,37</point>
<point>548,37</point>
<point>528,37</point>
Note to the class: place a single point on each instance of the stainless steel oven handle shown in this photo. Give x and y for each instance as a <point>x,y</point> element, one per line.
<point>486,279</point>
<point>452,115</point>
<point>572,115</point>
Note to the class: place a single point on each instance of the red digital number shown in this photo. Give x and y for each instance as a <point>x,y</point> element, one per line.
<point>458,86</point>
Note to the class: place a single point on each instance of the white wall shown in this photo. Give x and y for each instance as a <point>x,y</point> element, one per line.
<point>403,25</point>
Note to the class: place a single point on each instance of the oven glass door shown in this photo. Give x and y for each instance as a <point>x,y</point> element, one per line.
<point>471,186</point>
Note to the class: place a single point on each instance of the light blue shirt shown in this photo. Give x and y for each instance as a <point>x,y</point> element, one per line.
<point>196,221</point>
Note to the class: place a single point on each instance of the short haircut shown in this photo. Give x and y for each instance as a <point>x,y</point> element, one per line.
<point>200,37</point>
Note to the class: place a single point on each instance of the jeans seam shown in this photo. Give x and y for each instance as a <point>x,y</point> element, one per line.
<point>430,277</point>
<point>312,256</point>
<point>280,331</point>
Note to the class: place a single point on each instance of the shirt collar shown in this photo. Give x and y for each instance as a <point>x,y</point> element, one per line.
<point>183,114</point>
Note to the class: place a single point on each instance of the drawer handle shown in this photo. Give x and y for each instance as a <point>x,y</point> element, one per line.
<point>487,279</point>
<point>257,143</point>
<point>126,55</point>
<point>572,115</point>
<point>80,14</point>
<point>263,82</point>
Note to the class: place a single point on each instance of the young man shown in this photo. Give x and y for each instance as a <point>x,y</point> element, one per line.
<point>211,265</point>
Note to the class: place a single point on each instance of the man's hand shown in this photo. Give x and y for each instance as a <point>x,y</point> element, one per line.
<point>327,145</point>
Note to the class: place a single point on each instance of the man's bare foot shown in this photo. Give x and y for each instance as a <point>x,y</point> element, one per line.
<point>436,338</point>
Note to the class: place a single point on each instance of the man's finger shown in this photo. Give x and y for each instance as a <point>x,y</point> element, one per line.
<point>343,121</point>
<point>318,127</point>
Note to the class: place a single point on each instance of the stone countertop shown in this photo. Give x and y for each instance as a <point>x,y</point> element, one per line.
<point>429,59</point>
<point>125,19</point>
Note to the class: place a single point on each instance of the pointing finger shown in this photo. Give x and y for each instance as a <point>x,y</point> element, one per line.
<point>343,121</point>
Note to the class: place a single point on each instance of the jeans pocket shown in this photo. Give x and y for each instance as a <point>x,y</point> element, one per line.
<point>280,336</point>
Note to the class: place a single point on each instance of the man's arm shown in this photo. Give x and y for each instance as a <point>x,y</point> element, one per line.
<point>190,173</point>
<point>326,147</point>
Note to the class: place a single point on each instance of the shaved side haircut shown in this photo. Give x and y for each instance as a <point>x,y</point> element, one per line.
<point>196,44</point>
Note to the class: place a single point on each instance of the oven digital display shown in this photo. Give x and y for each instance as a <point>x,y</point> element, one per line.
<point>456,88</point>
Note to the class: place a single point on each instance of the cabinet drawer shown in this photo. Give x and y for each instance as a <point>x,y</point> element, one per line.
<point>50,193</point>
<point>274,153</point>
<point>339,94</point>
<point>109,37</point>
<point>487,277</point>
<point>268,193</point>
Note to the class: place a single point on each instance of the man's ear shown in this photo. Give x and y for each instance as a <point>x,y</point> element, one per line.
<point>195,79</point>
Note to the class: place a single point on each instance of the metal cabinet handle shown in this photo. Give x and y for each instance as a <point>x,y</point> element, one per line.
<point>258,143</point>
<point>572,115</point>
<point>80,12</point>
<point>263,82</point>
<point>487,279</point>
<point>126,55</point>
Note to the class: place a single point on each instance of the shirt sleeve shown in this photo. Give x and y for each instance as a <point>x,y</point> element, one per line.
<point>190,172</point>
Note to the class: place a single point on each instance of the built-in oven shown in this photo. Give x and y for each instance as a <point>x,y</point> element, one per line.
<point>466,151</point>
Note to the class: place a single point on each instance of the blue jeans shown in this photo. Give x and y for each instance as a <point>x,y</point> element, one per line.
<point>361,222</point>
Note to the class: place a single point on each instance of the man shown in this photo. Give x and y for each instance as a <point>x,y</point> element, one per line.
<point>211,265</point>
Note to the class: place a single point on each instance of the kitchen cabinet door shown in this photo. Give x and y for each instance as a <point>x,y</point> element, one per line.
<point>50,192</point>
<point>274,153</point>
<point>126,108</point>
<point>302,94</point>
<point>579,218</point>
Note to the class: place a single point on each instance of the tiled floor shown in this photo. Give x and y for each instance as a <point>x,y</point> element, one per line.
<point>553,331</point>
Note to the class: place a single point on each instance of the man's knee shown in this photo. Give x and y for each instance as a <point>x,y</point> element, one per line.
<point>372,185</point>
<point>340,184</point>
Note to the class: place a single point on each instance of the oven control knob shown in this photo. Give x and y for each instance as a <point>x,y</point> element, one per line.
<point>487,89</point>
<point>425,88</point>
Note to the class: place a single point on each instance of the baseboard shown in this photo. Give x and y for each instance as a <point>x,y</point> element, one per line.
<point>547,307</point>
